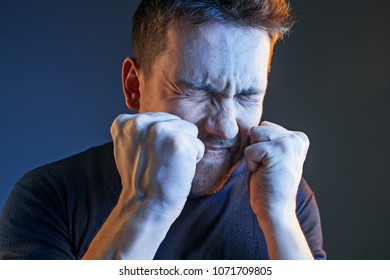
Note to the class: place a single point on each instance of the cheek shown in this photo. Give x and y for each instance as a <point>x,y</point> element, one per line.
<point>247,119</point>
<point>187,109</point>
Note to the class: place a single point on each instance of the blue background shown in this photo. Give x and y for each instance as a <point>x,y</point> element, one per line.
<point>60,89</point>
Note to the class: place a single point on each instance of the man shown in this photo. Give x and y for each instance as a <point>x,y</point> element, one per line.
<point>195,174</point>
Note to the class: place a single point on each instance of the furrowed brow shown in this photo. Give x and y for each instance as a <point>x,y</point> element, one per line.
<point>198,86</point>
<point>208,88</point>
<point>252,91</point>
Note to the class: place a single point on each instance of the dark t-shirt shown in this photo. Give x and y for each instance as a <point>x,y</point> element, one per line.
<point>55,211</point>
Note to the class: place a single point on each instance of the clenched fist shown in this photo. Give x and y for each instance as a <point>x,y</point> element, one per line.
<point>156,156</point>
<point>275,159</point>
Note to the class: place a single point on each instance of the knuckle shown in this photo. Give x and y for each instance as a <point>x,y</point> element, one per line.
<point>159,129</point>
<point>117,125</point>
<point>283,145</point>
<point>175,143</point>
<point>254,130</point>
<point>200,145</point>
<point>248,151</point>
<point>140,121</point>
<point>114,127</point>
<point>118,121</point>
<point>193,128</point>
<point>256,133</point>
<point>303,137</point>
<point>121,118</point>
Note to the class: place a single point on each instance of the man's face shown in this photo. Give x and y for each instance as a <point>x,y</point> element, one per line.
<point>214,76</point>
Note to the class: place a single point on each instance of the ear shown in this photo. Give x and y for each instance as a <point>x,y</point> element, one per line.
<point>131,83</point>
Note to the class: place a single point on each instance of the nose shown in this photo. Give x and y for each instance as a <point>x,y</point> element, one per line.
<point>222,120</point>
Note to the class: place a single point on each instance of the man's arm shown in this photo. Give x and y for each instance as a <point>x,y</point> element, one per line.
<point>156,156</point>
<point>275,159</point>
<point>130,232</point>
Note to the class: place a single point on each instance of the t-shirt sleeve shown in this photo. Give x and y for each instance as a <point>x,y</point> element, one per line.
<point>309,218</point>
<point>32,223</point>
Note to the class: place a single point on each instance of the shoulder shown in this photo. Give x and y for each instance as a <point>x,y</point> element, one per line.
<point>78,165</point>
<point>83,181</point>
<point>54,210</point>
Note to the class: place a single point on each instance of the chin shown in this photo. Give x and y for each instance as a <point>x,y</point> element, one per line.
<point>210,176</point>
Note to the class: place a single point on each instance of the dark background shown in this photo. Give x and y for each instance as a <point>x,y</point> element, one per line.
<point>60,89</point>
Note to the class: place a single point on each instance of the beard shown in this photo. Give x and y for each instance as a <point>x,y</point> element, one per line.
<point>211,174</point>
<point>208,178</point>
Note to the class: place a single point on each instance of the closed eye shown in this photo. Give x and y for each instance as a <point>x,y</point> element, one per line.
<point>252,92</point>
<point>252,95</point>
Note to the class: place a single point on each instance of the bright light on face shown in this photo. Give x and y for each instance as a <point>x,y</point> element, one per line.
<point>214,76</point>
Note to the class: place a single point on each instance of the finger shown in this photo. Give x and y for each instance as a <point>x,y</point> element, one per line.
<point>118,122</point>
<point>188,131</point>
<point>175,125</point>
<point>266,133</point>
<point>146,117</point>
<point>144,120</point>
<point>303,140</point>
<point>187,144</point>
<point>125,117</point>
<point>254,155</point>
<point>138,122</point>
<point>199,149</point>
<point>302,136</point>
<point>268,123</point>
<point>161,115</point>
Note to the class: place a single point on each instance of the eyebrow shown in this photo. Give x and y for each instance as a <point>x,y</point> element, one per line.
<point>208,88</point>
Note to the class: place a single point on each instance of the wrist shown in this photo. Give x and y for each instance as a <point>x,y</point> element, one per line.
<point>284,236</point>
<point>142,232</point>
<point>277,216</point>
<point>149,206</point>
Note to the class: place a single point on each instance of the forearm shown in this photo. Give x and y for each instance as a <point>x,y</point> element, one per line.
<point>129,233</point>
<point>285,239</point>
<point>149,148</point>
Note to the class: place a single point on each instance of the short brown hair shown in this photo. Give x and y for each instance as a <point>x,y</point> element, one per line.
<point>154,17</point>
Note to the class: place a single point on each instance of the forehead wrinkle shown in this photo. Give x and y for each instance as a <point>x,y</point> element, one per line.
<point>206,47</point>
<point>204,60</point>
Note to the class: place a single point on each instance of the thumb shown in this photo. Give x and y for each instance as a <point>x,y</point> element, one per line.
<point>200,149</point>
